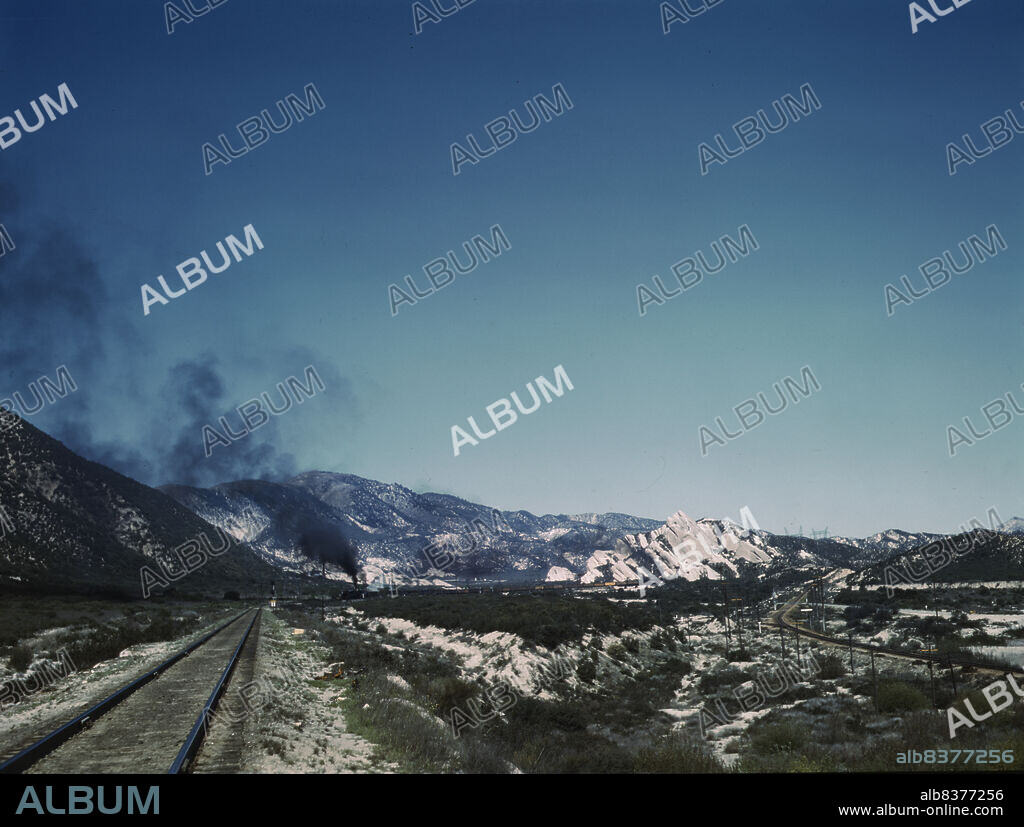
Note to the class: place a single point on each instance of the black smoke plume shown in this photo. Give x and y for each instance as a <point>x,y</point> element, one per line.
<point>58,311</point>
<point>60,307</point>
<point>325,544</point>
<point>195,394</point>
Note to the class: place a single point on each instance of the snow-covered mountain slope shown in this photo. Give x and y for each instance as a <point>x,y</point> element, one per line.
<point>412,537</point>
<point>1015,525</point>
<point>68,524</point>
<point>429,538</point>
<point>613,519</point>
<point>977,555</point>
<point>889,542</point>
<point>689,549</point>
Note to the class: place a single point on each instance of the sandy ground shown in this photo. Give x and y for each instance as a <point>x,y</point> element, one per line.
<point>297,724</point>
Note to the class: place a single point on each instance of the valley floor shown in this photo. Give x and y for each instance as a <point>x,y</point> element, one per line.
<point>547,684</point>
<point>297,722</point>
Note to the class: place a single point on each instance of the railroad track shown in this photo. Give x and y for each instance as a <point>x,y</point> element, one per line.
<point>781,618</point>
<point>154,724</point>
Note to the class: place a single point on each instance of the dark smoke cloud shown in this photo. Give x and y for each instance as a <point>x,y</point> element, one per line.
<point>195,397</point>
<point>56,303</point>
<point>324,543</point>
<point>58,310</point>
<point>51,294</point>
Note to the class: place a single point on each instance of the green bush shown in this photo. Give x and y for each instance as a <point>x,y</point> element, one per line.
<point>616,650</point>
<point>448,693</point>
<point>775,738</point>
<point>677,755</point>
<point>677,667</point>
<point>896,696</point>
<point>729,676</point>
<point>21,658</point>
<point>586,671</point>
<point>832,666</point>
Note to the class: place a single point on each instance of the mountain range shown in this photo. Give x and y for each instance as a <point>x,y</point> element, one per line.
<point>70,524</point>
<point>408,536</point>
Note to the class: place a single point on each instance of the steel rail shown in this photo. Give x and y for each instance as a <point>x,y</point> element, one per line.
<point>199,728</point>
<point>48,743</point>
<point>783,621</point>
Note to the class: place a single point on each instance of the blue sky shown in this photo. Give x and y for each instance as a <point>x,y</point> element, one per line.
<point>594,202</point>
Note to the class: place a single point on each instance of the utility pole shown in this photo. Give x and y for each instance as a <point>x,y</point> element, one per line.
<point>851,653</point>
<point>821,589</point>
<point>952,674</point>
<point>725,608</point>
<point>782,637</point>
<point>874,678</point>
<point>931,677</point>
<point>816,597</point>
<point>739,623</point>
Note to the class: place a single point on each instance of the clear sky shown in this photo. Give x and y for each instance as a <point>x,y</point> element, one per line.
<point>593,203</point>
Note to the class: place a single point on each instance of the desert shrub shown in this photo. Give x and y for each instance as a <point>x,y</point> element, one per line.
<point>819,763</point>
<point>923,730</point>
<point>730,676</point>
<point>781,737</point>
<point>449,693</point>
<point>616,650</point>
<point>581,752</point>
<point>110,639</point>
<point>545,716</point>
<point>576,753</point>
<point>832,666</point>
<point>675,666</point>
<point>896,696</point>
<point>479,757</point>
<point>21,658</point>
<point>419,736</point>
<point>586,671</point>
<point>675,755</point>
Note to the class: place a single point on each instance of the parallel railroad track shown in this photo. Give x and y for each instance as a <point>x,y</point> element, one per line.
<point>155,723</point>
<point>781,618</point>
